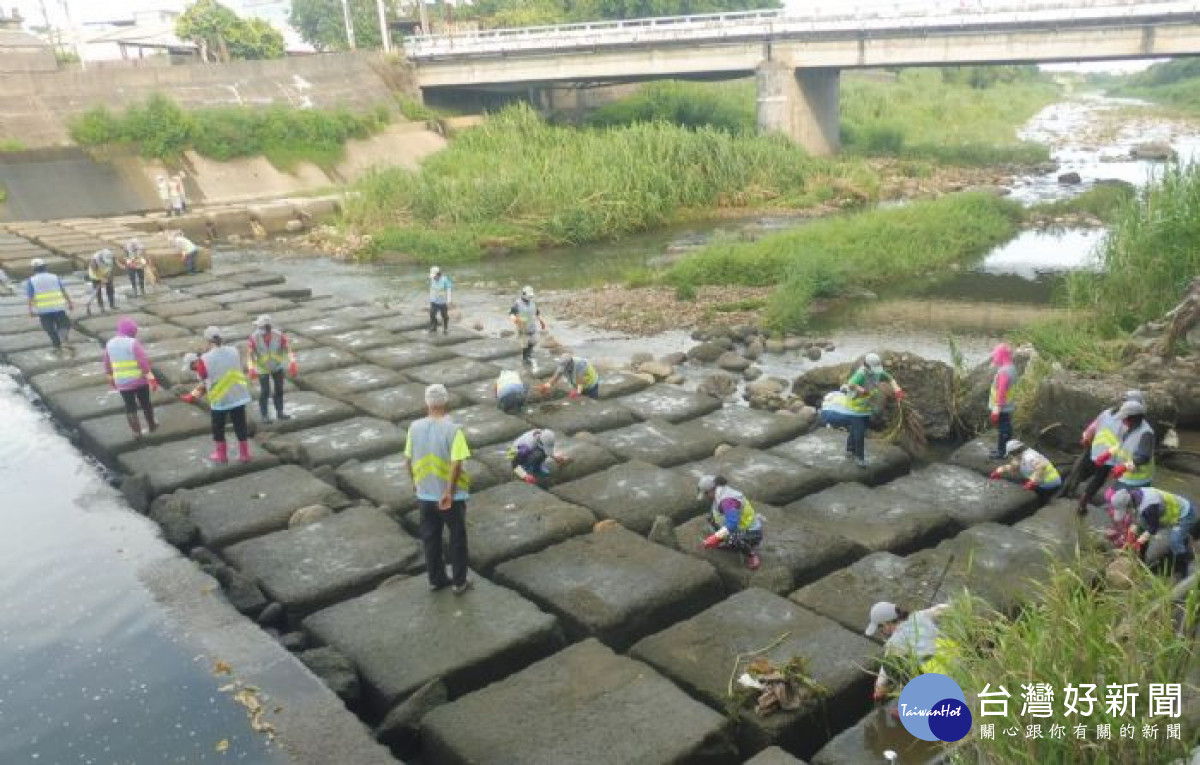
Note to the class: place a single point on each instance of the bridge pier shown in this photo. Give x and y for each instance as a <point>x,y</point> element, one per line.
<point>800,103</point>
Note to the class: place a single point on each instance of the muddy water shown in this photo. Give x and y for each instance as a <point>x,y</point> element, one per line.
<point>92,669</point>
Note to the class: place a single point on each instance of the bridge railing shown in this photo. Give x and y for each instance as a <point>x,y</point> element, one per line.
<point>770,24</point>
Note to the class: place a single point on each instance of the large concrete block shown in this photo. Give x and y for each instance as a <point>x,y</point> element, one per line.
<point>107,322</point>
<point>232,221</point>
<point>306,409</point>
<point>154,333</point>
<point>613,585</point>
<point>773,755</point>
<point>487,349</point>
<point>78,404</point>
<point>386,482</point>
<point>56,381</point>
<point>456,336</point>
<point>846,596</point>
<point>617,384</point>
<point>316,564</point>
<point>761,475</point>
<point>584,704</point>
<point>515,519</point>
<point>237,299</point>
<point>345,382</point>
<point>108,436</point>
<point>401,636</point>
<point>967,496</point>
<point>1059,528</point>
<point>210,287</point>
<point>659,443</point>
<point>287,320</point>
<point>223,318</point>
<point>586,458</point>
<point>83,354</point>
<point>184,464</point>
<point>406,356</point>
<point>327,325</point>
<point>403,322</point>
<point>314,359</point>
<point>23,341</point>
<point>793,552</point>
<point>694,655</point>
<point>580,415</point>
<point>485,425</point>
<point>453,372</point>
<point>740,426</point>
<point>400,403</point>
<point>359,438</point>
<point>878,519</point>
<point>360,339</point>
<point>364,313</point>
<point>826,450</point>
<point>633,494</point>
<point>1000,564</point>
<point>259,503</point>
<point>267,305</point>
<point>871,737</point>
<point>670,403</point>
<point>974,455</point>
<point>257,278</point>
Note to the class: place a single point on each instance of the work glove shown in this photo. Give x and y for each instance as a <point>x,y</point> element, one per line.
<point>995,417</point>
<point>1030,485</point>
<point>1119,471</point>
<point>530,479</point>
<point>996,474</point>
<point>573,395</point>
<point>293,370</point>
<point>544,388</point>
<point>253,373</point>
<point>712,542</point>
<point>1101,459</point>
<point>188,398</point>
<point>154,386</point>
<point>878,694</point>
<point>899,394</point>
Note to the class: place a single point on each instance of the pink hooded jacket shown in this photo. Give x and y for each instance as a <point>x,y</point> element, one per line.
<point>127,327</point>
<point>1002,359</point>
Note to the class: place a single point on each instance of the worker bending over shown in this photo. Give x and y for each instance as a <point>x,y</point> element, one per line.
<point>732,520</point>
<point>580,374</point>
<point>223,380</point>
<point>863,399</point>
<point>1041,477</point>
<point>1135,453</point>
<point>1147,510</point>
<point>1102,439</point>
<point>529,453</point>
<point>914,645</point>
<point>510,391</point>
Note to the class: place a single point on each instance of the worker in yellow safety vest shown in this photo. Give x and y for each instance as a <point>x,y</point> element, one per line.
<point>223,380</point>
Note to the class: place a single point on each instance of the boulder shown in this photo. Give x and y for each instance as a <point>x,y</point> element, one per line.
<point>719,385</point>
<point>309,514</point>
<point>774,346</point>
<point>706,352</point>
<point>1155,151</point>
<point>335,670</point>
<point>752,373</point>
<point>1070,179</point>
<point>812,353</point>
<point>732,362</point>
<point>656,369</point>
<point>401,727</point>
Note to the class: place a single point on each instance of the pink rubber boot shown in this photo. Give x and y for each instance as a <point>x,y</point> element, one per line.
<point>220,452</point>
<point>243,451</point>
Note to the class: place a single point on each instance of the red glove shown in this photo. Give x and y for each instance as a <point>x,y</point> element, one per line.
<point>997,474</point>
<point>899,394</point>
<point>1100,460</point>
<point>994,418</point>
<point>1119,471</point>
<point>1030,485</point>
<point>188,398</point>
<point>712,542</point>
<point>293,370</point>
<point>154,386</point>
<point>574,394</point>
<point>253,373</point>
<point>529,479</point>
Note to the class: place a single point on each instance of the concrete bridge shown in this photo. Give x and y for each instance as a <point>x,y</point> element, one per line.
<point>798,60</point>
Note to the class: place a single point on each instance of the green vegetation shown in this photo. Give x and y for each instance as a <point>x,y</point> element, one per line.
<point>515,13</point>
<point>1105,201</point>
<point>321,23</point>
<point>1150,255</point>
<point>11,144</point>
<point>1077,631</point>
<point>517,182</point>
<point>869,250</point>
<point>285,136</point>
<point>3,194</point>
<point>963,116</point>
<point>222,35</point>
<point>1174,83</point>
<point>414,110</point>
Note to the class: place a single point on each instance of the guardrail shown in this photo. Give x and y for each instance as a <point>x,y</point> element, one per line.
<point>773,24</point>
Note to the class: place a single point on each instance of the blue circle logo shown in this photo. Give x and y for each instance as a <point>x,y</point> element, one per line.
<point>933,708</point>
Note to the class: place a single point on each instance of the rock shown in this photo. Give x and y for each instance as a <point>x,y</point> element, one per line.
<point>478,326</point>
<point>608,524</point>
<point>335,670</point>
<point>707,352</point>
<point>656,369</point>
<point>774,346</point>
<point>640,358</point>
<point>752,373</point>
<point>171,513</point>
<point>675,379</point>
<point>732,362</point>
<point>813,354</point>
<point>137,490</point>
<point>400,729</point>
<point>674,359</point>
<point>273,615</point>
<point>648,378</point>
<point>767,386</point>
<point>1070,179</point>
<point>294,641</point>
<point>310,514</point>
<point>720,385</point>
<point>663,532</point>
<point>1157,151</point>
<point>294,226</point>
<point>243,594</point>
<point>754,350</point>
<point>204,556</point>
<point>721,449</point>
<point>1119,573</point>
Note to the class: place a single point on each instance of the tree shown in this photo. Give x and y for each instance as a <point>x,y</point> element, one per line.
<point>322,25</point>
<point>222,36</point>
<point>508,13</point>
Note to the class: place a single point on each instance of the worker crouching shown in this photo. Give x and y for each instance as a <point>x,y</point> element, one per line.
<point>223,380</point>
<point>734,524</point>
<point>530,453</point>
<point>1038,472</point>
<point>1147,510</point>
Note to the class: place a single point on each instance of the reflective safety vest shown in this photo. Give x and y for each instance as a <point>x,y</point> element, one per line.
<point>527,315</point>
<point>269,354</point>
<point>945,656</point>
<point>432,442</point>
<point>439,290</point>
<point>135,257</point>
<point>509,382</point>
<point>749,517</point>
<point>121,356</point>
<point>864,404</point>
<point>1105,437</point>
<point>1141,475</point>
<point>226,382</point>
<point>836,401</point>
<point>186,246</point>
<point>1173,505</point>
<point>99,272</point>
<point>1031,461</point>
<point>583,374</point>
<point>47,293</point>
<point>1008,405</point>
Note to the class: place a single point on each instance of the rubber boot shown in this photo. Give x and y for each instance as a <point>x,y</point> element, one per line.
<point>243,451</point>
<point>151,423</point>
<point>135,425</point>
<point>220,452</point>
<point>279,414</point>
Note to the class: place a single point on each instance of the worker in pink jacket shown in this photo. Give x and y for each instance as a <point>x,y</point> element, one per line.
<point>128,370</point>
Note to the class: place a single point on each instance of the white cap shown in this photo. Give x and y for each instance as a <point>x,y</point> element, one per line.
<point>434,271</point>
<point>212,333</point>
<point>262,321</point>
<point>881,613</point>
<point>37,263</point>
<point>188,360</point>
<point>1135,395</point>
<point>1013,446</point>
<point>872,361</point>
<point>706,484</point>
<point>547,438</point>
<point>1120,501</point>
<point>1131,409</point>
<point>527,292</point>
<point>437,395</point>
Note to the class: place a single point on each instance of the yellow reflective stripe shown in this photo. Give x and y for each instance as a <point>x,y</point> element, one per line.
<point>1172,507</point>
<point>747,516</point>
<point>126,370</point>
<point>1105,437</point>
<point>265,360</point>
<point>231,378</point>
<point>590,377</point>
<point>49,299</point>
<point>433,465</point>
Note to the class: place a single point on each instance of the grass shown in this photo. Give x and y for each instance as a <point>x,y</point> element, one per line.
<point>11,145</point>
<point>518,182</point>
<point>868,250</point>
<point>1146,261</point>
<point>415,110</point>
<point>1077,631</point>
<point>3,194</point>
<point>1173,83</point>
<point>160,129</point>
<point>1106,202</point>
<point>921,114</point>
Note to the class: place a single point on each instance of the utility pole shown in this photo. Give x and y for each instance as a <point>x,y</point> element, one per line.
<point>383,27</point>
<point>349,24</point>
<point>423,14</point>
